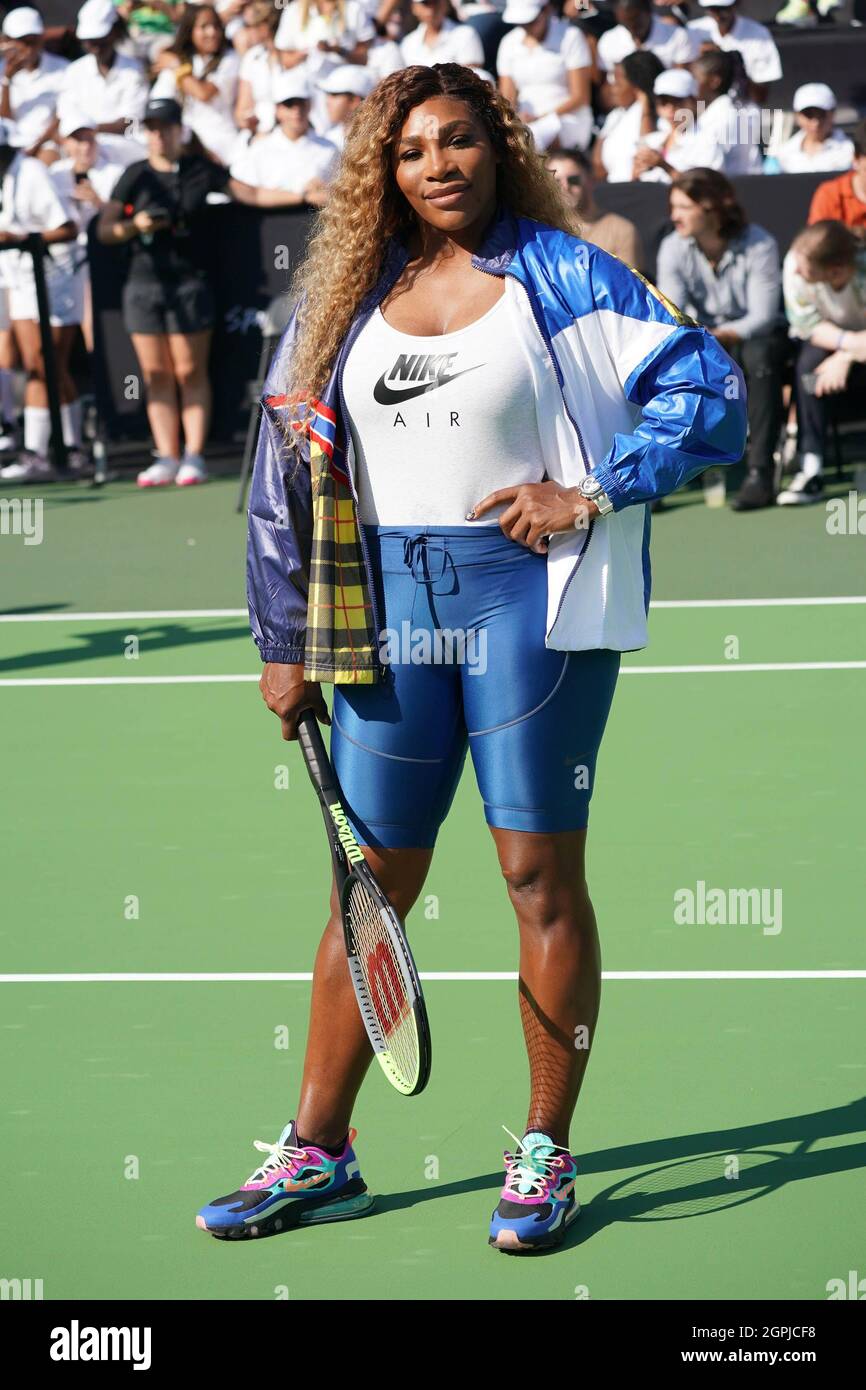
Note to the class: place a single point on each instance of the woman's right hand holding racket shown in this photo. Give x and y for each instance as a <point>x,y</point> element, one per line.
<point>285,691</point>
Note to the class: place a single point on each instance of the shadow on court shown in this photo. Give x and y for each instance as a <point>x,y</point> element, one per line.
<point>100,643</point>
<point>690,1175</point>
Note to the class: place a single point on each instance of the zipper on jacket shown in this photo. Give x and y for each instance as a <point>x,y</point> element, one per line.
<point>556,367</point>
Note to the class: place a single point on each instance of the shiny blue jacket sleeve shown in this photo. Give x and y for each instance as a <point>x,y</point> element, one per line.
<point>693,415</point>
<point>691,393</point>
<point>280,525</point>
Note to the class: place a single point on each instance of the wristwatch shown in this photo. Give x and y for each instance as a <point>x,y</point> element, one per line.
<point>590,488</point>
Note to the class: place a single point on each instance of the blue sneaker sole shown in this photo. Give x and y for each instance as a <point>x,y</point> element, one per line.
<point>510,1243</point>
<point>289,1217</point>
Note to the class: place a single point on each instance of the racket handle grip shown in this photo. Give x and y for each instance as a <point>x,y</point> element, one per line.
<point>315,753</point>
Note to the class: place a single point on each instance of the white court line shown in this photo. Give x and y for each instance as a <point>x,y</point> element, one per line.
<point>462,976</point>
<point>153,613</point>
<point>624,670</point>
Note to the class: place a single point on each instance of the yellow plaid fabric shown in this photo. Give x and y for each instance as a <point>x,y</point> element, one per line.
<point>340,628</point>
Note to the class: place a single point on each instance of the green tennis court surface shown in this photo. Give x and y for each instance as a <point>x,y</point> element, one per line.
<point>721,1126</point>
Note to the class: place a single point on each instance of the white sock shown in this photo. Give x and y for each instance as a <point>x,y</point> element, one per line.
<point>8,404</point>
<point>71,417</point>
<point>811,465</point>
<point>37,429</point>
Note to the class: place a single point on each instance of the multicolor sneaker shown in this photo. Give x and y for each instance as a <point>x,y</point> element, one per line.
<point>294,1187</point>
<point>537,1203</point>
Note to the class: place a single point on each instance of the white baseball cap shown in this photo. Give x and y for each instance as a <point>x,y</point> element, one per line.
<point>21,23</point>
<point>716,4</point>
<point>814,94</point>
<point>291,84</point>
<point>675,82</point>
<point>96,19</point>
<point>349,77</point>
<point>74,119</point>
<point>522,11</point>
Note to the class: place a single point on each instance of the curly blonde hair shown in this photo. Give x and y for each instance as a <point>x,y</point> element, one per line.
<point>344,255</point>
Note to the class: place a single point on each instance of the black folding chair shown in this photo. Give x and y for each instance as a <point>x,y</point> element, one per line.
<point>276,317</point>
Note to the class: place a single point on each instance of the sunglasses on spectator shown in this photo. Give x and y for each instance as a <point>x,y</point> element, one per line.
<point>814,113</point>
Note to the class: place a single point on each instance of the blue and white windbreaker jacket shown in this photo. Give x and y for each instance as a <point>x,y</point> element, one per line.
<point>626,386</point>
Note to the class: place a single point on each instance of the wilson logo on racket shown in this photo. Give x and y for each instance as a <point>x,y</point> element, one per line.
<point>353,851</point>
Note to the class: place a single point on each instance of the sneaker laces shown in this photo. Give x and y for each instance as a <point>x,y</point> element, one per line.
<point>281,1156</point>
<point>529,1169</point>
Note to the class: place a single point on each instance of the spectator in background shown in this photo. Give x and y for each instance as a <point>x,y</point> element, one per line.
<point>639,28</point>
<point>293,163</point>
<point>824,279</point>
<point>149,27</point>
<point>84,178</point>
<point>30,205</point>
<point>677,144</point>
<point>573,172</point>
<point>105,86</point>
<point>734,128</point>
<point>544,67</point>
<point>722,25</point>
<point>383,52</point>
<point>168,306</point>
<point>725,272</point>
<point>818,145</point>
<point>260,66</point>
<point>200,70</point>
<point>844,199</point>
<point>631,120</point>
<point>438,39</point>
<point>486,18</point>
<point>319,35</point>
<point>345,88</point>
<point>30,82</point>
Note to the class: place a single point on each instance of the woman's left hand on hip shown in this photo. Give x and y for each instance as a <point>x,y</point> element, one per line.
<point>537,510</point>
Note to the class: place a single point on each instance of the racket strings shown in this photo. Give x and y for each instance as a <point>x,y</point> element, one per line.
<point>387,999</point>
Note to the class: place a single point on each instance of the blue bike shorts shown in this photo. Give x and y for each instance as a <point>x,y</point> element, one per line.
<point>462,613</point>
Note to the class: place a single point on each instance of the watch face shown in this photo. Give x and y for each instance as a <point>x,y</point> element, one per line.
<point>590,486</point>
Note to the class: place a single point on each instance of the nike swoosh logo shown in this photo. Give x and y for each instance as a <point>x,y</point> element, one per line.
<point>386,396</point>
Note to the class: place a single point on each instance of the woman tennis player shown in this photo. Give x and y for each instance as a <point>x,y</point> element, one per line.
<point>464,424</point>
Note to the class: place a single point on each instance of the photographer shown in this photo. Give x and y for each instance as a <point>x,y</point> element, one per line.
<point>158,209</point>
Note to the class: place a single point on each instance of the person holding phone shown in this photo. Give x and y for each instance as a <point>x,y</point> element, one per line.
<point>157,209</point>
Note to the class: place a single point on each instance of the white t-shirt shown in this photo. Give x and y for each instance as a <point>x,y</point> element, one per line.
<point>621,136</point>
<point>736,129</point>
<point>120,95</point>
<point>275,161</point>
<point>455,43</point>
<point>30,204</point>
<point>760,54</point>
<point>357,28</point>
<point>260,68</point>
<point>384,57</point>
<point>439,422</point>
<point>212,121</point>
<point>693,150</point>
<point>672,43</point>
<point>33,98</point>
<point>291,34</point>
<point>102,175</point>
<point>809,303</point>
<point>835,155</point>
<point>539,71</point>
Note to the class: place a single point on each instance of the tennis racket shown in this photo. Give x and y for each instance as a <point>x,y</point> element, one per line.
<point>380,963</point>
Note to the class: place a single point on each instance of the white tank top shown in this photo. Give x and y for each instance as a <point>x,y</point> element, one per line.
<point>439,422</point>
